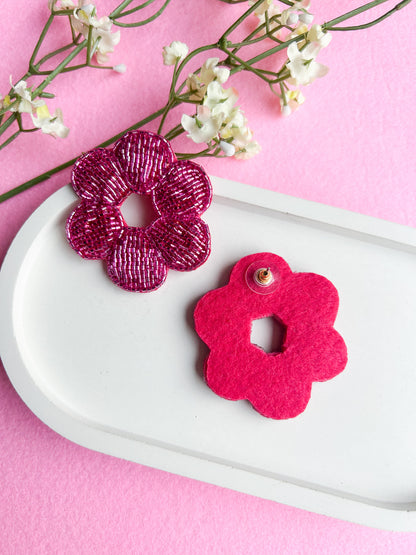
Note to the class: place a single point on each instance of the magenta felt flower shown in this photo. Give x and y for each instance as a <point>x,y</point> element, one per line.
<point>138,258</point>
<point>277,384</point>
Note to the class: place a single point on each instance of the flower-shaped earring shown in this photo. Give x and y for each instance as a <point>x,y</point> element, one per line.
<point>138,258</point>
<point>277,384</point>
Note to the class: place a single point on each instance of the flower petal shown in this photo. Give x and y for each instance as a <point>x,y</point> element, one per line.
<point>327,356</point>
<point>97,177</point>
<point>293,51</point>
<point>93,229</point>
<point>281,396</point>
<point>144,157</point>
<point>313,301</point>
<point>184,244</point>
<point>185,191</point>
<point>135,264</point>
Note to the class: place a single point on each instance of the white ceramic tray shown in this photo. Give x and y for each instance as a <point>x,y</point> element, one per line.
<point>121,372</point>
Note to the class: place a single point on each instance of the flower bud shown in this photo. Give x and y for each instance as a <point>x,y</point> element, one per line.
<point>227,148</point>
<point>120,68</point>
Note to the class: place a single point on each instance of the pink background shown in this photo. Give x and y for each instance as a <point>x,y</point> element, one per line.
<point>351,145</point>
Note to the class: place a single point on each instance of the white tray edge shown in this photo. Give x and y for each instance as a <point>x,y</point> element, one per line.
<point>182,463</point>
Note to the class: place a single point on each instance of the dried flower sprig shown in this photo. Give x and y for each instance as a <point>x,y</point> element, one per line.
<point>90,35</point>
<point>217,120</point>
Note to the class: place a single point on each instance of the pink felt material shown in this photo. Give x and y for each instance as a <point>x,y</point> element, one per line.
<point>351,145</point>
<point>278,385</point>
<point>138,258</point>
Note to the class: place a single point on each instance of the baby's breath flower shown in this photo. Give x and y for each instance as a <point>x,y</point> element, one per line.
<point>103,39</point>
<point>202,127</point>
<point>220,101</point>
<point>120,68</point>
<point>210,71</point>
<point>264,6</point>
<point>289,17</point>
<point>235,129</point>
<point>302,65</point>
<point>51,125</point>
<point>306,17</point>
<point>290,100</point>
<point>227,148</point>
<point>23,102</point>
<point>248,150</point>
<point>317,36</point>
<point>300,30</point>
<point>297,13</point>
<point>175,52</point>
<point>221,124</point>
<point>63,4</point>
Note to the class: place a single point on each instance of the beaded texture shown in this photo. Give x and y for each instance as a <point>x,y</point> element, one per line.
<point>138,258</point>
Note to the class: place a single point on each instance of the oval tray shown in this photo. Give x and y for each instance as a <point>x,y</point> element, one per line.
<point>121,373</point>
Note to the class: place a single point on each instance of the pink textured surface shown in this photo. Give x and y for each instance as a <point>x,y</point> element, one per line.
<point>137,258</point>
<point>278,385</point>
<point>351,145</point>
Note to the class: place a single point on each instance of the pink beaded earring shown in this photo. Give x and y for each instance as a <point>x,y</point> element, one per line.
<point>138,258</point>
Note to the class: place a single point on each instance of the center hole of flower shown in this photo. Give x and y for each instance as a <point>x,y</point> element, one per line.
<point>137,210</point>
<point>269,334</point>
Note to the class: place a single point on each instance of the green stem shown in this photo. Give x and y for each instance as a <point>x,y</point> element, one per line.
<point>46,175</point>
<point>120,8</point>
<point>19,121</point>
<point>174,132</point>
<point>47,57</point>
<point>144,21</point>
<point>357,11</point>
<point>40,40</point>
<point>171,99</point>
<point>10,139</point>
<point>67,69</point>
<point>74,37</point>
<point>325,26</point>
<point>59,68</point>
<point>396,8</point>
<point>252,37</point>
<point>186,60</point>
<point>190,156</point>
<point>166,110</point>
<point>246,66</point>
<point>11,119</point>
<point>89,46</point>
<point>249,42</point>
<point>136,9</point>
<point>240,20</point>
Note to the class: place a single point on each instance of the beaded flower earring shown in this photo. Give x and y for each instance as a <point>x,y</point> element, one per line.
<point>138,258</point>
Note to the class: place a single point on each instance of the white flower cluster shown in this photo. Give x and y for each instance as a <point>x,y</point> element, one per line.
<point>175,52</point>
<point>301,64</point>
<point>42,119</point>
<point>294,15</point>
<point>84,18</point>
<point>218,122</point>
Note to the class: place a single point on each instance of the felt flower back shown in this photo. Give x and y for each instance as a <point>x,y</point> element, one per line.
<point>278,385</point>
